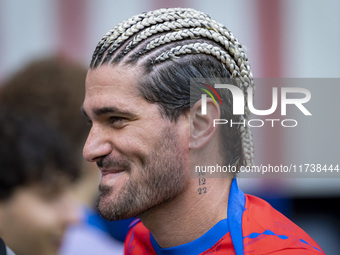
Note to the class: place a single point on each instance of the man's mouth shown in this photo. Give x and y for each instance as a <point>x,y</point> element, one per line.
<point>110,171</point>
<point>109,175</point>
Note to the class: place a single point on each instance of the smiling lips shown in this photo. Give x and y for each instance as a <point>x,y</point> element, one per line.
<point>110,171</point>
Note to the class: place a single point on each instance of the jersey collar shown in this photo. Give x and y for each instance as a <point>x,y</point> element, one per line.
<point>233,223</point>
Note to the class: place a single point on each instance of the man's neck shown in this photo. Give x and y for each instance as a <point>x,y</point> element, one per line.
<point>190,214</point>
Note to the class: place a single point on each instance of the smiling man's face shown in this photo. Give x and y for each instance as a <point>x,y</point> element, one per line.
<point>143,156</point>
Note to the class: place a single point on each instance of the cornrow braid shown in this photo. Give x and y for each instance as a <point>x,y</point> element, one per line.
<point>162,39</point>
<point>160,28</point>
<point>123,31</point>
<point>180,35</point>
<point>196,48</point>
<point>207,26</point>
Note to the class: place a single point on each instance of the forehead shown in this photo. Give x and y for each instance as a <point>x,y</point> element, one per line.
<point>113,78</point>
<point>107,85</point>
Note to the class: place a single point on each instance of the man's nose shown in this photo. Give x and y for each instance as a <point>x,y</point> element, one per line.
<point>96,146</point>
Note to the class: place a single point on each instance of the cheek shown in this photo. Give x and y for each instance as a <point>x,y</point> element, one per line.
<point>136,143</point>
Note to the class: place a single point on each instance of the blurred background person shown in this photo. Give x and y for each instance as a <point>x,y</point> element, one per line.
<point>52,89</point>
<point>37,173</point>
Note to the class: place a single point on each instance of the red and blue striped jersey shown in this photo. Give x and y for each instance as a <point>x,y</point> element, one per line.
<point>252,227</point>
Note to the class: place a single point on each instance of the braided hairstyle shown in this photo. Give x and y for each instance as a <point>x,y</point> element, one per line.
<point>173,46</point>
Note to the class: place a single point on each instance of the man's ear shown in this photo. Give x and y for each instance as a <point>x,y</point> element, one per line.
<point>202,125</point>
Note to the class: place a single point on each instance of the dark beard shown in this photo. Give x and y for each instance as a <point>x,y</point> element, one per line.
<point>161,180</point>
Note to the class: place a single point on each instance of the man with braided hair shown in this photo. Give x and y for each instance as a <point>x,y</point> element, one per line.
<point>145,127</point>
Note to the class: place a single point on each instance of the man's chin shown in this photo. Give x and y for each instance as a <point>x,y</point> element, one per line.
<point>112,204</point>
<point>112,211</point>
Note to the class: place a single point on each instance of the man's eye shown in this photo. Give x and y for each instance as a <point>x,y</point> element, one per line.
<point>116,120</point>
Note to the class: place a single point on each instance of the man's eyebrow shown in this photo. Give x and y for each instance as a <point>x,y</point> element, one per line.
<point>105,110</point>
